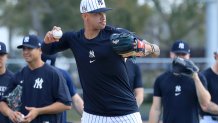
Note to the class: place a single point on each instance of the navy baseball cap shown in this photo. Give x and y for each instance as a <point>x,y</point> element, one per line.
<point>93,6</point>
<point>31,41</point>
<point>180,46</point>
<point>3,48</point>
<point>49,59</point>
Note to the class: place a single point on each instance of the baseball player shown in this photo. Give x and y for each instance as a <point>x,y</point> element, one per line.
<point>135,80</point>
<point>107,94</point>
<point>211,75</point>
<point>5,76</point>
<point>177,94</point>
<point>44,91</point>
<point>76,99</point>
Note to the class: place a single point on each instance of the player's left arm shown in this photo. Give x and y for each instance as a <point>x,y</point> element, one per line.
<point>127,45</point>
<point>202,93</point>
<point>138,86</point>
<point>78,103</point>
<point>139,95</point>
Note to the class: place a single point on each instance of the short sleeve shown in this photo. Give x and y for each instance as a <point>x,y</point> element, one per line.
<point>157,90</point>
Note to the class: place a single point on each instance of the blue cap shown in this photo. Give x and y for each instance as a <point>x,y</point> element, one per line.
<point>31,41</point>
<point>180,46</point>
<point>3,48</point>
<point>49,59</point>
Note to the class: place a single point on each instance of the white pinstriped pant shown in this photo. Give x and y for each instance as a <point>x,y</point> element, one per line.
<point>130,118</point>
<point>207,119</point>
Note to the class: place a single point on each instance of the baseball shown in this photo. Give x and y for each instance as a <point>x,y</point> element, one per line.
<point>57,34</point>
<point>21,118</point>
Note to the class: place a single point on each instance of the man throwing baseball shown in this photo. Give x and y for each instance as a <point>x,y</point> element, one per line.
<point>107,94</point>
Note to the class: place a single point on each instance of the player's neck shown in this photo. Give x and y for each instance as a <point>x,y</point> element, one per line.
<point>36,64</point>
<point>215,68</point>
<point>91,33</point>
<point>2,70</point>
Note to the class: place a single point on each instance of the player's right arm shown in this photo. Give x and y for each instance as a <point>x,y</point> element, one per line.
<point>53,45</point>
<point>155,111</point>
<point>5,110</point>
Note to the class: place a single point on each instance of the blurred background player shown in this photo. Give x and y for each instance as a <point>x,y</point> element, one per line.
<point>76,99</point>
<point>211,75</point>
<point>178,95</point>
<point>135,80</point>
<point>44,92</point>
<point>5,77</point>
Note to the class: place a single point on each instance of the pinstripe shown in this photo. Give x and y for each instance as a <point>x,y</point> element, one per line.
<point>91,4</point>
<point>130,118</point>
<point>117,121</point>
<point>96,4</point>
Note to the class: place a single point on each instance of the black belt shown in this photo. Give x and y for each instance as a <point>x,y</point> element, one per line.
<point>214,118</point>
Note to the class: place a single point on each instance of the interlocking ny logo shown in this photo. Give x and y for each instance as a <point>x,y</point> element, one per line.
<point>26,39</point>
<point>84,8</point>
<point>91,54</point>
<point>181,46</point>
<point>100,2</point>
<point>38,83</point>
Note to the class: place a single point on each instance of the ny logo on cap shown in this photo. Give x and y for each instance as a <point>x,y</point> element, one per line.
<point>100,2</point>
<point>181,46</point>
<point>84,8</point>
<point>26,39</point>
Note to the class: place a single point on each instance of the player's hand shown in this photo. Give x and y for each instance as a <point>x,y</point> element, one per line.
<point>151,49</point>
<point>33,113</point>
<point>12,116</point>
<point>49,38</point>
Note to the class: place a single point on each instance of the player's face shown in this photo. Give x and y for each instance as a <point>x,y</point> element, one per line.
<point>97,20</point>
<point>181,55</point>
<point>31,54</point>
<point>216,57</point>
<point>3,59</point>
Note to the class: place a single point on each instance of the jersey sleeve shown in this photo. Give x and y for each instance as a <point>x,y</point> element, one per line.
<point>55,47</point>
<point>157,91</point>
<point>203,80</point>
<point>138,77</point>
<point>70,85</point>
<point>60,90</point>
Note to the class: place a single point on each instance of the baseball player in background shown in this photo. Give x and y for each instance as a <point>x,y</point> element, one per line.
<point>135,80</point>
<point>76,99</point>
<point>178,95</point>
<point>107,94</point>
<point>44,91</point>
<point>5,77</point>
<point>211,75</point>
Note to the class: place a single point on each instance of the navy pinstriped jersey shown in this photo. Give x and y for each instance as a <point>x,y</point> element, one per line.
<point>103,75</point>
<point>41,87</point>
<point>72,90</point>
<point>5,79</point>
<point>212,86</point>
<point>134,74</point>
<point>179,98</point>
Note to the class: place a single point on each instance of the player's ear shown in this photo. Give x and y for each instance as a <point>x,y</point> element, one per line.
<point>172,55</point>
